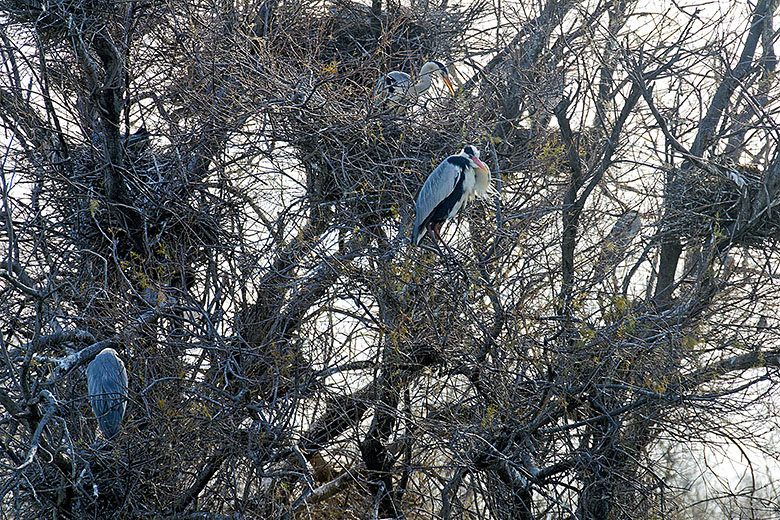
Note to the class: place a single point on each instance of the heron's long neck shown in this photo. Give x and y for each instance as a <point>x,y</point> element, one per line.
<point>424,83</point>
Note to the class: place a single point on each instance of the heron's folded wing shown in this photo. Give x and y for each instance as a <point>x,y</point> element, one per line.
<point>107,388</point>
<point>437,187</point>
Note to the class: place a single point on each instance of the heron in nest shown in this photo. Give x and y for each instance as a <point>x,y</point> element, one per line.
<point>397,87</point>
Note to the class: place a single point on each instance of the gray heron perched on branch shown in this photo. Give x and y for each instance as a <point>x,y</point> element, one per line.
<point>107,386</point>
<point>397,86</point>
<point>619,238</point>
<point>457,179</point>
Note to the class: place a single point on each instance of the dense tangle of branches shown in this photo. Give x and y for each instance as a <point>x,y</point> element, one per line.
<point>215,190</point>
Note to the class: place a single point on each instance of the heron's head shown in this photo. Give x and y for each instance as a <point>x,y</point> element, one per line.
<point>437,67</point>
<point>472,154</point>
<point>635,219</point>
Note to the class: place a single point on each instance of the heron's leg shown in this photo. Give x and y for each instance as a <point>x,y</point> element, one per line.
<point>436,228</point>
<point>432,233</point>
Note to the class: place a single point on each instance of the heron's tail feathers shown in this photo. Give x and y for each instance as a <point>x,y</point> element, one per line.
<point>418,233</point>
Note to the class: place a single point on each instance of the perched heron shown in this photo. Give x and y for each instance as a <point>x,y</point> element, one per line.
<point>397,86</point>
<point>138,141</point>
<point>619,238</point>
<point>107,385</point>
<point>457,179</point>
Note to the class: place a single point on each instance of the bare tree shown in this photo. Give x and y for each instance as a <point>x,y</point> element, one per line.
<point>215,191</point>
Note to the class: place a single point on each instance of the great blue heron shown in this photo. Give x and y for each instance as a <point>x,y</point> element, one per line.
<point>397,86</point>
<point>448,187</point>
<point>619,238</point>
<point>107,386</point>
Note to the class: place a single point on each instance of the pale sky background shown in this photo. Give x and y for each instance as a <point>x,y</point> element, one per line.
<point>715,467</point>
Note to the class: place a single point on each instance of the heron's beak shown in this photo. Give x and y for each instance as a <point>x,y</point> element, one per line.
<point>480,165</point>
<point>449,85</point>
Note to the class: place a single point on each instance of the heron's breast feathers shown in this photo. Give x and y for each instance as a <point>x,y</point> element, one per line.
<point>483,185</point>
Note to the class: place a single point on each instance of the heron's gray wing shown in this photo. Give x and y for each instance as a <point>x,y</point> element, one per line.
<point>107,387</point>
<point>399,78</point>
<point>394,85</point>
<point>437,187</point>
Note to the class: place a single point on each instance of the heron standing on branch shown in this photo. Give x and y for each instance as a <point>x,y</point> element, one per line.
<point>447,189</point>
<point>107,386</point>
<point>397,86</point>
<point>619,238</point>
